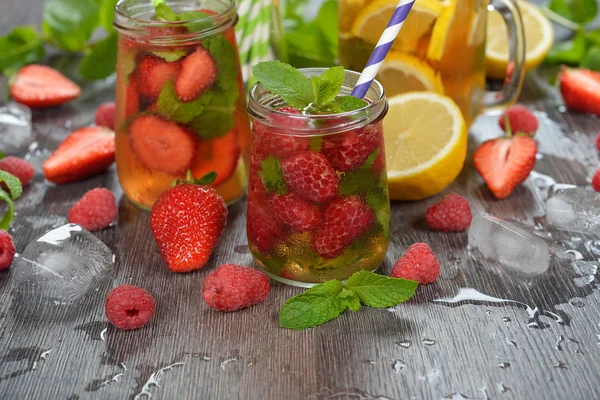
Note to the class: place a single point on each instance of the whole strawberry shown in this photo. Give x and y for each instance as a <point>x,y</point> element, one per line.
<point>451,214</point>
<point>417,264</point>
<point>187,221</point>
<point>520,119</point>
<point>580,89</point>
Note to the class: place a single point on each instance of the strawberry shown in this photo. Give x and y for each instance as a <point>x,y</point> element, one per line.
<point>153,73</point>
<point>350,150</point>
<point>504,163</point>
<point>220,155</point>
<point>198,73</point>
<point>39,86</point>
<point>187,221</point>
<point>580,89</point>
<point>161,145</point>
<point>263,231</point>
<point>344,221</point>
<point>295,212</point>
<point>596,180</point>
<point>311,176</point>
<point>85,152</point>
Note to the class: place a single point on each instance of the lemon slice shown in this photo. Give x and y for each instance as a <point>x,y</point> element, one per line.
<point>439,35</point>
<point>373,19</point>
<point>348,10</point>
<point>401,73</point>
<point>425,143</point>
<point>539,37</point>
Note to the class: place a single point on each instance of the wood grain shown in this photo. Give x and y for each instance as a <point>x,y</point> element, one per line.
<point>422,350</point>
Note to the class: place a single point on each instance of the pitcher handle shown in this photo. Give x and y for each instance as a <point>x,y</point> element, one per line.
<point>515,74</point>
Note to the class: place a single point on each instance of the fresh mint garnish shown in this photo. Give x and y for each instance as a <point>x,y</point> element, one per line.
<point>166,14</point>
<point>21,46</point>
<point>14,191</point>
<point>170,106</point>
<point>343,104</point>
<point>328,300</point>
<point>327,86</point>
<point>272,176</point>
<point>100,60</point>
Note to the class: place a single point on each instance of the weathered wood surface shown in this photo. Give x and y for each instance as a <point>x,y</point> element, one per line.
<point>423,349</point>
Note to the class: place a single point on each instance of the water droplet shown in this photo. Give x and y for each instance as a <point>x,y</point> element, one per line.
<point>503,365</point>
<point>593,246</point>
<point>502,388</point>
<point>560,365</point>
<point>488,312</point>
<point>428,342</point>
<point>506,319</point>
<point>559,340</point>
<point>398,366</point>
<point>225,362</point>
<point>511,343</point>
<point>204,358</point>
<point>103,334</point>
<point>577,303</point>
<point>155,378</point>
<point>577,255</point>
<point>404,344</point>
<point>371,362</point>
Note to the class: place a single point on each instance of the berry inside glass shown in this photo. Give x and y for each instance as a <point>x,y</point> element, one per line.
<point>318,205</point>
<point>180,104</point>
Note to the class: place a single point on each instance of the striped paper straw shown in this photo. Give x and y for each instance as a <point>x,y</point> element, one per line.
<point>383,46</point>
<point>253,33</point>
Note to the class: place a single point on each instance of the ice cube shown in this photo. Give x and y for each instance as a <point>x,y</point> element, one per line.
<point>574,209</point>
<point>61,266</point>
<point>15,128</point>
<point>513,246</point>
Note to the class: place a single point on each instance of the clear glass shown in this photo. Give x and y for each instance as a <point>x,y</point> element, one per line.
<point>456,28</point>
<point>305,231</point>
<point>180,100</point>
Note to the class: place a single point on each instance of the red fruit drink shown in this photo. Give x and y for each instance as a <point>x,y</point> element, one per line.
<point>180,104</point>
<point>318,205</point>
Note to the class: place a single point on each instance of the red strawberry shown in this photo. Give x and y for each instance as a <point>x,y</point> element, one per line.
<point>187,221</point>
<point>198,73</point>
<point>350,150</point>
<point>295,212</point>
<point>311,176</point>
<point>87,151</point>
<point>18,167</point>
<point>504,163</point>
<point>521,120</point>
<point>153,73</point>
<point>161,145</point>
<point>220,155</point>
<point>39,86</point>
<point>263,231</point>
<point>344,221</point>
<point>105,115</point>
<point>580,89</point>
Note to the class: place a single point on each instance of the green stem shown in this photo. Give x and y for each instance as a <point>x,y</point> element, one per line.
<point>559,19</point>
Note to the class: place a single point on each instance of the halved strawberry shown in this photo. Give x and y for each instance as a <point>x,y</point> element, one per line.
<point>153,73</point>
<point>161,145</point>
<point>504,163</point>
<point>85,152</point>
<point>198,73</point>
<point>39,86</point>
<point>580,89</point>
<point>220,155</point>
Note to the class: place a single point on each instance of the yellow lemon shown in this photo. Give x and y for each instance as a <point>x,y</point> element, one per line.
<point>401,73</point>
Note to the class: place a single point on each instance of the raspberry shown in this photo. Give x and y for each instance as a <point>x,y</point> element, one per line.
<point>7,250</point>
<point>18,167</point>
<point>232,287</point>
<point>344,220</point>
<point>263,231</point>
<point>596,180</point>
<point>105,115</point>
<point>598,142</point>
<point>295,212</point>
<point>278,143</point>
<point>350,150</point>
<point>520,119</point>
<point>311,176</point>
<point>417,264</point>
<point>95,210</point>
<point>129,307</point>
<point>451,214</point>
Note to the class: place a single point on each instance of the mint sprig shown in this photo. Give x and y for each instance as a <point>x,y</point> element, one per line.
<point>328,300</point>
<point>14,191</point>
<point>272,176</point>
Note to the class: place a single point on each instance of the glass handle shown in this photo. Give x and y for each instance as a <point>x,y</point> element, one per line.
<point>515,74</point>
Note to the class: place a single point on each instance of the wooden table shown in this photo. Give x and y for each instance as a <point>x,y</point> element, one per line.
<point>541,342</point>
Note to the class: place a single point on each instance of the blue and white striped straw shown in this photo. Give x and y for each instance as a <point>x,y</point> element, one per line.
<point>383,46</point>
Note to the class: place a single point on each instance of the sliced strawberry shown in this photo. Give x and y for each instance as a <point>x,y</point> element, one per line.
<point>580,89</point>
<point>220,155</point>
<point>293,211</point>
<point>153,73</point>
<point>161,145</point>
<point>39,86</point>
<point>351,149</point>
<point>85,152</point>
<point>504,163</point>
<point>198,73</point>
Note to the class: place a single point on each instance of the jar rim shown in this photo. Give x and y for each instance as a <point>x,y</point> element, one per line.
<point>314,125</point>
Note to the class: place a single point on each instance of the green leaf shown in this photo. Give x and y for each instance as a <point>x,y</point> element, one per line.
<point>327,86</point>
<point>198,21</point>
<point>272,176</point>
<point>316,306</point>
<point>371,159</point>
<point>176,110</point>
<point>223,53</point>
<point>100,62</point>
<point>592,37</point>
<point>107,14</point>
<point>15,189</point>
<point>349,299</point>
<point>170,56</point>
<point>21,46</point>
<point>379,202</point>
<point>592,59</point>
<point>343,104</point>
<point>380,291</point>
<point>569,52</point>
<point>308,47</point>
<point>69,23</point>
<point>206,179</point>
<point>285,81</point>
<point>580,11</point>
<point>216,118</point>
<point>357,182</point>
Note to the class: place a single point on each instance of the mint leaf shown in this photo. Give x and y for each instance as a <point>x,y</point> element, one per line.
<point>379,202</point>
<point>272,176</point>
<point>69,23</point>
<point>380,291</point>
<point>592,59</point>
<point>327,21</point>
<point>357,182</point>
<point>107,14</point>
<point>21,46</point>
<point>286,82</point>
<point>349,299</point>
<point>171,107</point>
<point>15,189</point>
<point>224,54</point>
<point>316,306</point>
<point>343,104</point>
<point>580,11</point>
<point>197,20</point>
<point>592,37</point>
<point>216,118</point>
<point>328,85</point>
<point>371,159</point>
<point>163,11</point>
<point>100,62</point>
<point>170,56</point>
<point>569,52</point>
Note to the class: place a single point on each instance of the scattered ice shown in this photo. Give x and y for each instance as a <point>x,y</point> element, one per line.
<point>399,366</point>
<point>62,266</point>
<point>513,246</point>
<point>15,128</point>
<point>574,209</point>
